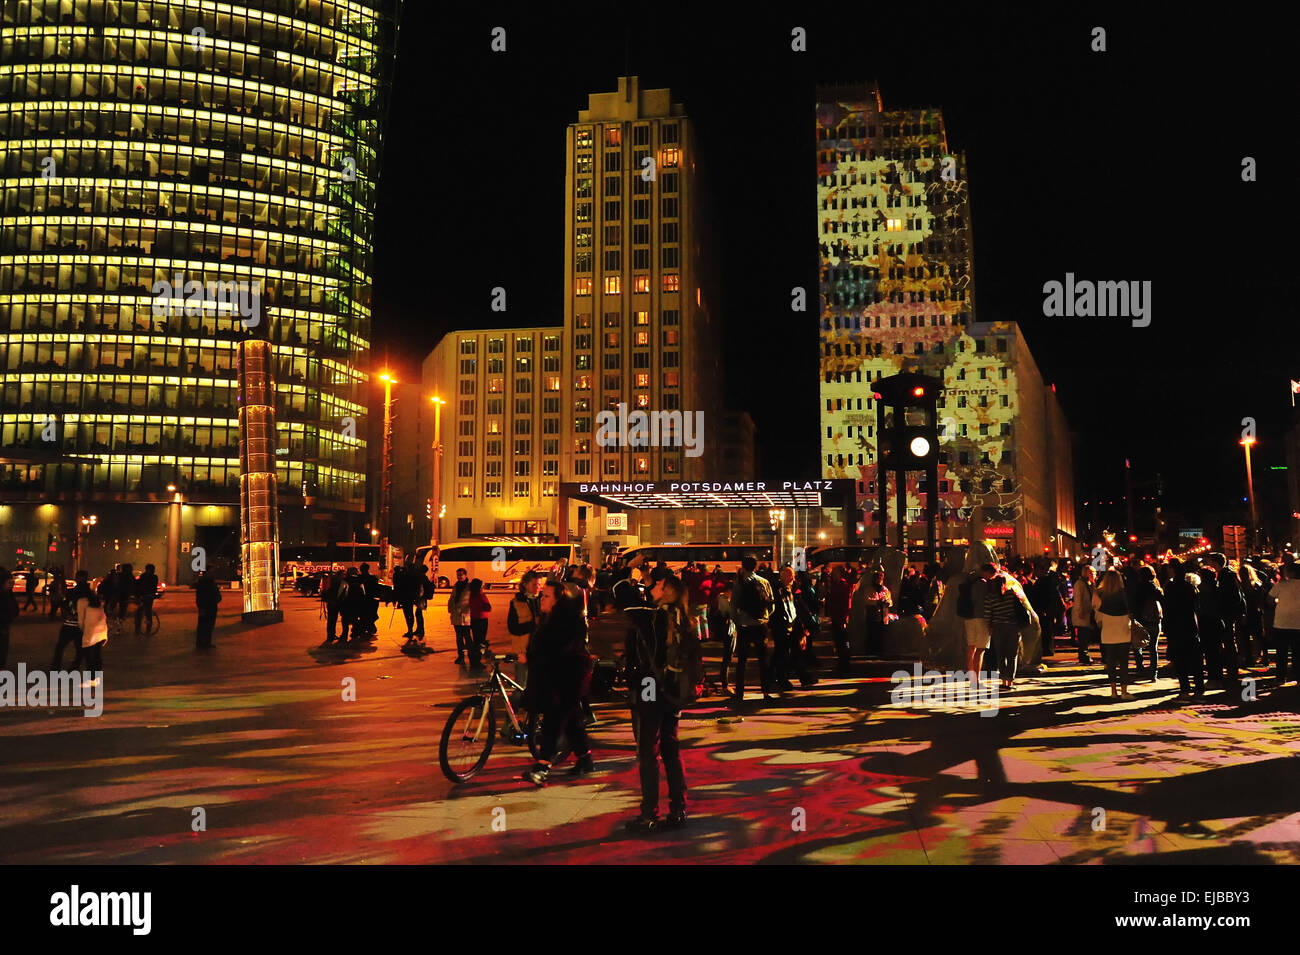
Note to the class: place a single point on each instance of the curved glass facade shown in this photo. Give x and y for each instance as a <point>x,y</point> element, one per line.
<point>147,145</point>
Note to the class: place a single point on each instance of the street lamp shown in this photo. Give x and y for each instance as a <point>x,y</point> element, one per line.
<point>1246,442</point>
<point>439,509</point>
<point>386,481</point>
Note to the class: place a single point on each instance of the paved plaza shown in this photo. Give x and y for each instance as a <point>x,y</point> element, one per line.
<point>256,733</point>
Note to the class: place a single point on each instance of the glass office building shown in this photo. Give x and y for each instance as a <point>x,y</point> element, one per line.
<point>156,148</point>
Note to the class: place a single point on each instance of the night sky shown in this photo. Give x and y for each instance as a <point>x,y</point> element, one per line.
<point>1123,165</point>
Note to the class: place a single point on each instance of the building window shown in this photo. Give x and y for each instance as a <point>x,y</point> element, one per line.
<point>641,283</point>
<point>672,283</point>
<point>582,137</point>
<point>613,284</point>
<point>671,316</point>
<point>671,379</point>
<point>643,379</point>
<point>582,286</point>
<point>668,158</point>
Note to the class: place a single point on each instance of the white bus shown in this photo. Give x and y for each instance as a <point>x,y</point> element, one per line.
<point>499,564</point>
<point>708,556</point>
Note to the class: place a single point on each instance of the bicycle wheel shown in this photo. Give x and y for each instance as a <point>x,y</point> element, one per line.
<point>467,738</point>
<point>562,745</point>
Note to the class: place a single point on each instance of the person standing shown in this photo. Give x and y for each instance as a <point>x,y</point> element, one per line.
<point>93,621</point>
<point>8,613</point>
<point>667,623</point>
<point>146,591</point>
<point>479,608</point>
<point>790,626</point>
<point>1286,621</point>
<point>332,594</point>
<point>971,596</point>
<point>722,625</point>
<point>1180,623</point>
<point>839,597</point>
<point>1082,615</point>
<point>70,627</point>
<point>1007,609</point>
<point>125,593</point>
<point>408,592</point>
<point>1149,597</point>
<point>368,608</point>
<point>1232,609</point>
<point>1112,606</point>
<point>206,596</point>
<point>561,667</point>
<point>521,621</point>
<point>877,600</point>
<point>751,606</point>
<point>458,610</point>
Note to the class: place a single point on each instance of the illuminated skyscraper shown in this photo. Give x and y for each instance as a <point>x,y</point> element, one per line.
<point>639,282</point>
<point>896,290</point>
<point>154,144</point>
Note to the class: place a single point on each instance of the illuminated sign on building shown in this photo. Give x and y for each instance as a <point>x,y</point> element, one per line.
<point>1000,530</point>
<point>615,522</point>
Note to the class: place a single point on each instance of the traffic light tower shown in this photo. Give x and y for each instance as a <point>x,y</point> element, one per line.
<point>908,440</point>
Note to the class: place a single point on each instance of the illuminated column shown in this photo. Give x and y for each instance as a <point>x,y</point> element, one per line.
<point>259,533</point>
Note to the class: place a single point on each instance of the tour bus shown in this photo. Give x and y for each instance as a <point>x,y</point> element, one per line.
<point>833,555</point>
<point>499,564</point>
<point>708,556</point>
<point>304,560</point>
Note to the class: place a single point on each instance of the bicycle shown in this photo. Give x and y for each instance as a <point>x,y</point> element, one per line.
<point>470,732</point>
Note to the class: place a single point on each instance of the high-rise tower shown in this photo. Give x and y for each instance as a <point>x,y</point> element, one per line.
<point>198,150</point>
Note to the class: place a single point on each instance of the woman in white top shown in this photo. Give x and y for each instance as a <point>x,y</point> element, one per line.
<point>1111,604</point>
<point>94,634</point>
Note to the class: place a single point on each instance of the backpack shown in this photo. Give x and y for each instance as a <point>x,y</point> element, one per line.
<point>683,677</point>
<point>752,600</point>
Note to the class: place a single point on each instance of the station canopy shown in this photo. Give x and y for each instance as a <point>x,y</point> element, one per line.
<point>824,492</point>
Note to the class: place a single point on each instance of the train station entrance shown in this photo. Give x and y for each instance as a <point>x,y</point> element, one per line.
<point>603,516</point>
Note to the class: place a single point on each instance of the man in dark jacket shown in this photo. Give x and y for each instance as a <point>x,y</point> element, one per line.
<point>206,595</point>
<point>146,590</point>
<point>408,591</point>
<point>790,624</point>
<point>1230,607</point>
<point>1180,623</point>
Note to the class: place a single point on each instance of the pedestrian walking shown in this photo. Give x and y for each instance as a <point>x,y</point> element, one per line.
<point>479,608</point>
<point>790,625</point>
<point>146,592</point>
<point>30,587</point>
<point>206,597</point>
<point>56,591</point>
<point>1112,605</point>
<point>408,591</point>
<point>70,625</point>
<point>559,675</point>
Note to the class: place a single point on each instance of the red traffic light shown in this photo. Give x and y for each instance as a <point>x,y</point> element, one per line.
<point>1132,538</point>
<point>918,391</point>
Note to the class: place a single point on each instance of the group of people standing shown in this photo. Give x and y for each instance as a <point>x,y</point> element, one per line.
<point>350,599</point>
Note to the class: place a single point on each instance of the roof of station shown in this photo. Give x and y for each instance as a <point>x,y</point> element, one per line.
<point>823,492</point>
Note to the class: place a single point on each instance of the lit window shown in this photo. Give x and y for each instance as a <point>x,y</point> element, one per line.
<point>641,318</point>
<point>613,284</point>
<point>669,157</point>
<point>613,135</point>
<point>583,383</point>
<point>643,338</point>
<point>643,401</point>
<point>642,465</point>
<point>642,379</point>
<point>582,287</point>
<point>894,225</point>
<point>495,386</point>
<point>672,283</point>
<point>553,383</point>
<point>641,283</point>
<point>670,379</point>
